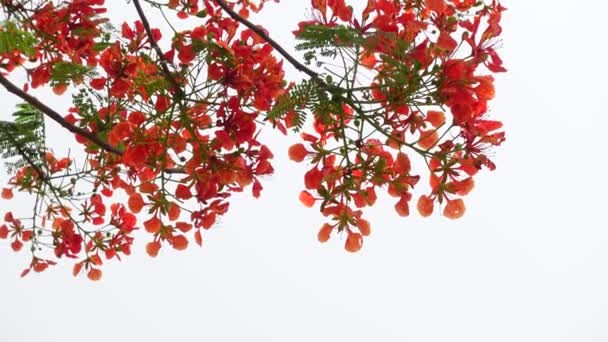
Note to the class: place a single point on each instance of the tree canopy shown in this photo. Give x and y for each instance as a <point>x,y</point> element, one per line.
<point>168,120</point>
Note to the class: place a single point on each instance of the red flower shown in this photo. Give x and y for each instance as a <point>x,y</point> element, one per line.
<point>186,54</point>
<point>428,139</point>
<point>16,245</point>
<point>152,248</point>
<point>297,152</point>
<point>152,225</point>
<point>183,192</point>
<point>454,209</point>
<point>119,132</point>
<point>354,242</point>
<point>174,212</point>
<point>94,274</point>
<point>435,118</point>
<point>425,206</point>
<point>402,165</point>
<point>401,207</point>
<point>7,193</point>
<point>437,6</point>
<point>307,199</point>
<point>136,202</point>
<point>162,103</point>
<point>183,226</point>
<point>313,178</point>
<point>179,242</point>
<point>364,227</point>
<point>324,232</point>
<point>3,231</point>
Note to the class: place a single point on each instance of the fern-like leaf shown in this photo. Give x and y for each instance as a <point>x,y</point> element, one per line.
<point>22,140</point>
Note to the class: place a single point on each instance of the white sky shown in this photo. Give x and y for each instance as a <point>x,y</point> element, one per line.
<point>528,262</point>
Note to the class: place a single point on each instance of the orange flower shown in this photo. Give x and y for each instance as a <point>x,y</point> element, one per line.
<point>446,42</point>
<point>297,152</point>
<point>402,165</point>
<point>402,207</point>
<point>77,267</point>
<point>152,225</point>
<point>98,83</point>
<point>198,238</point>
<point>435,118</point>
<point>119,132</point>
<point>174,212</point>
<point>136,202</point>
<point>183,226</point>
<point>428,139</point>
<point>436,5</point>
<point>3,231</point>
<point>364,226</point>
<point>216,145</point>
<point>183,192</point>
<point>368,60</point>
<point>454,209</point>
<point>354,242</point>
<point>148,188</point>
<point>16,245</point>
<point>463,187</point>
<point>162,103</point>
<point>186,54</point>
<point>307,199</point>
<point>7,193</point>
<point>94,274</point>
<point>40,266</point>
<point>313,178</point>
<point>180,242</point>
<point>485,90</point>
<point>60,88</point>
<point>425,206</point>
<point>324,232</point>
<point>152,248</point>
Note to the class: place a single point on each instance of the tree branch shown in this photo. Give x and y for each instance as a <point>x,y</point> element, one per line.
<point>46,110</point>
<point>163,60</point>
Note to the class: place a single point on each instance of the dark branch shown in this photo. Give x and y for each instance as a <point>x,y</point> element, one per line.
<point>46,110</point>
<point>56,116</point>
<point>163,60</point>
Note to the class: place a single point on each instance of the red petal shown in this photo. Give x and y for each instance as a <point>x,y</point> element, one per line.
<point>94,274</point>
<point>307,199</point>
<point>198,238</point>
<point>152,248</point>
<point>455,209</point>
<point>180,242</point>
<point>354,242</point>
<point>7,193</point>
<point>324,232</point>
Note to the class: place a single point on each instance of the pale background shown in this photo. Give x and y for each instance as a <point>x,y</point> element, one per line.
<point>528,262</point>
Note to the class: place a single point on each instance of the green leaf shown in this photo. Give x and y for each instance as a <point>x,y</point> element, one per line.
<point>63,72</point>
<point>13,38</point>
<point>23,139</point>
<point>320,36</point>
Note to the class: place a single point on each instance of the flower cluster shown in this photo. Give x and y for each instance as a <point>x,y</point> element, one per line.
<point>427,67</point>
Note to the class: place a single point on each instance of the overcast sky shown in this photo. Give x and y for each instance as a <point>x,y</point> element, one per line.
<point>528,262</point>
